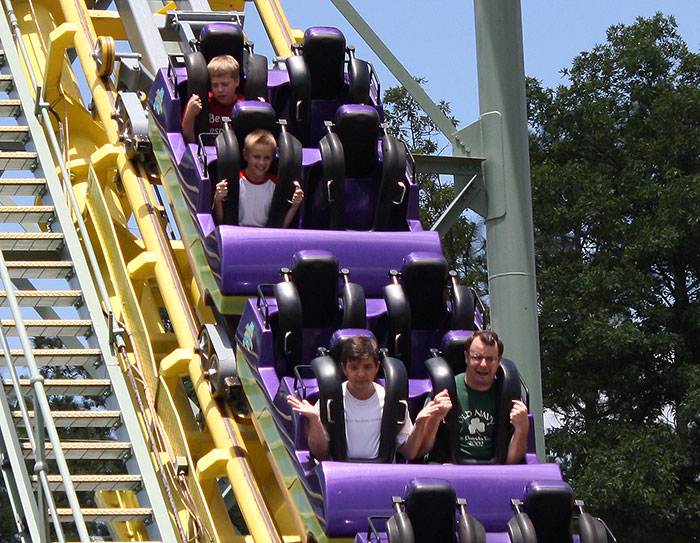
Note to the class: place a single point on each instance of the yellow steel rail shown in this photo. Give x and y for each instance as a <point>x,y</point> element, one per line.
<point>143,276</point>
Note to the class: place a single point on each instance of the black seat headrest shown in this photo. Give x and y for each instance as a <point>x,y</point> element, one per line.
<point>221,39</point>
<point>430,505</point>
<point>324,53</point>
<point>550,504</point>
<point>251,115</point>
<point>315,274</point>
<point>452,349</point>
<point>357,127</point>
<point>424,279</point>
<point>339,338</point>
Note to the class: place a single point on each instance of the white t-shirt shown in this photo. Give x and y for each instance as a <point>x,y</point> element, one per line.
<point>254,200</point>
<point>363,423</point>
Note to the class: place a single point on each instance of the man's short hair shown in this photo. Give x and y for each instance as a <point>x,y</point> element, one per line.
<point>358,347</point>
<point>258,137</point>
<point>488,337</point>
<point>224,65</point>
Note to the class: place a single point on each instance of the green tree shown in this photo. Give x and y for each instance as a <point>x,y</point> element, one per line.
<point>464,245</point>
<point>616,196</point>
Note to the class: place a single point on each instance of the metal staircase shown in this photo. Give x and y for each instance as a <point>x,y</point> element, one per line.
<point>74,460</point>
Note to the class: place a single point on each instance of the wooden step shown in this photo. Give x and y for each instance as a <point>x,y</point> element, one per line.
<point>26,214</point>
<point>79,419</point>
<point>40,269</point>
<point>10,108</point>
<point>50,327</point>
<point>18,160</point>
<point>7,83</point>
<point>30,241</point>
<point>14,133</point>
<point>97,514</point>
<point>90,483</point>
<point>57,357</point>
<point>66,387</point>
<point>30,186</point>
<point>84,450</point>
<point>44,298</point>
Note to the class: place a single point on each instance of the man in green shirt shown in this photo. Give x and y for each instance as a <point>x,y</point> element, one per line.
<point>477,403</point>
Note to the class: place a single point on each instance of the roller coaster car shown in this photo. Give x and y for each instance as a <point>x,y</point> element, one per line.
<point>278,334</point>
<point>361,200</point>
<point>426,513</point>
<point>360,214</point>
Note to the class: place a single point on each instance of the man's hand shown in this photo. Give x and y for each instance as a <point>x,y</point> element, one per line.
<point>521,427</point>
<point>303,407</point>
<point>443,400</point>
<point>319,445</point>
<point>518,416</point>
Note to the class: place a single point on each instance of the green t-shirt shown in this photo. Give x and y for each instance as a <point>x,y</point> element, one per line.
<point>475,419</point>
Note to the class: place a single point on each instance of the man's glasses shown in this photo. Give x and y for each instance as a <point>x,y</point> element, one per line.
<point>479,358</point>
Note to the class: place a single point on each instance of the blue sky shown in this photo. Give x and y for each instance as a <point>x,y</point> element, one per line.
<point>435,40</point>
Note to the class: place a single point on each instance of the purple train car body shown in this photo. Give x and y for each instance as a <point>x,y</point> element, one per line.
<point>356,260</point>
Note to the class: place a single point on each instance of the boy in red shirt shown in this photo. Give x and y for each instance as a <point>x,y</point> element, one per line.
<point>256,184</point>
<point>224,78</point>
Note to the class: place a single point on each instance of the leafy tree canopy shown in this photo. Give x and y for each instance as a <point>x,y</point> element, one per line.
<point>616,194</point>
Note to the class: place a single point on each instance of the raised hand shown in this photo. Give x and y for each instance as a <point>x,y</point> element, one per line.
<point>221,192</point>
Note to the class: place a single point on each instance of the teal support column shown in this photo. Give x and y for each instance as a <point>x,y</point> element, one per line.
<point>509,229</point>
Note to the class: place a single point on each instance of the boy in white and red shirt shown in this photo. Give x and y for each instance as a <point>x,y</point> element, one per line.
<point>256,184</point>
<point>224,78</point>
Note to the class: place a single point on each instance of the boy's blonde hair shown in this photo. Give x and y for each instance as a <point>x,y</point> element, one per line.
<point>259,136</point>
<point>224,65</point>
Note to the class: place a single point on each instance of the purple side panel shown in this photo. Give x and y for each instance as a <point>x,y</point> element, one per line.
<point>488,490</point>
<point>177,145</point>
<point>165,106</point>
<point>310,156</point>
<point>251,256</point>
<point>206,223</point>
<point>276,78</point>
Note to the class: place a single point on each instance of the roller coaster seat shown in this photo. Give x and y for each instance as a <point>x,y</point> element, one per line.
<point>507,385</point>
<point>355,187</point>
<point>418,312</point>
<point>310,306</point>
<point>329,376</point>
<point>550,506</point>
<point>318,83</point>
<point>429,515</point>
<point>219,39</point>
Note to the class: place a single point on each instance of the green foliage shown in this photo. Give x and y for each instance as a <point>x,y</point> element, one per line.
<point>616,196</point>
<point>464,244</point>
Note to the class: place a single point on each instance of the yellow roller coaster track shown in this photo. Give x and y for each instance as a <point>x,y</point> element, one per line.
<point>147,276</point>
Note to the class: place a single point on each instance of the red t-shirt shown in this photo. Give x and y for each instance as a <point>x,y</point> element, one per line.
<point>218,110</point>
